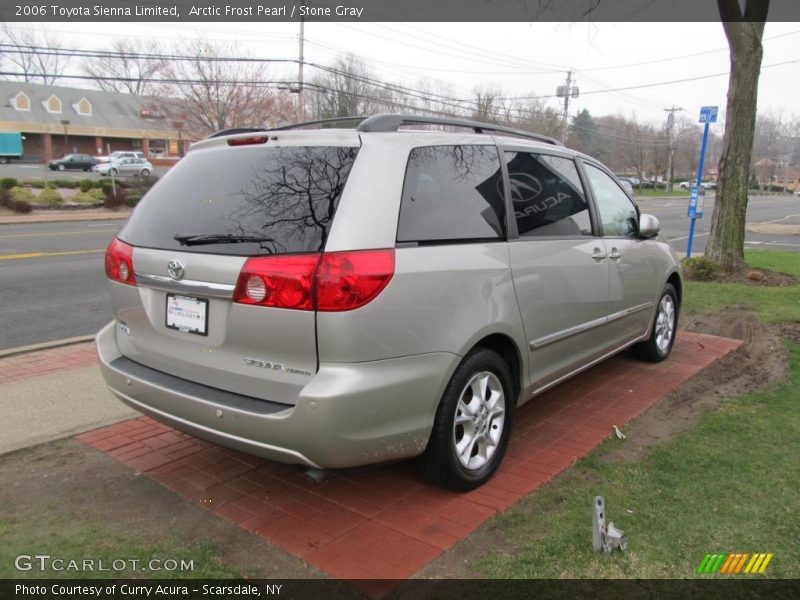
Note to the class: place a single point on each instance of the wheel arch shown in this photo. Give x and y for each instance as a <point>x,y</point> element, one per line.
<point>677,283</point>
<point>509,351</point>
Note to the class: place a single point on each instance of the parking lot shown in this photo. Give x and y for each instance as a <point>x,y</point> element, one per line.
<point>22,171</point>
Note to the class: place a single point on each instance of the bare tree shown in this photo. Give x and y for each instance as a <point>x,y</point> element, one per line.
<point>744,29</point>
<point>348,88</point>
<point>130,65</point>
<point>219,95</point>
<point>33,53</point>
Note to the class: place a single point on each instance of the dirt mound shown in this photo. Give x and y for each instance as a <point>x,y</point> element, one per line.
<point>761,361</point>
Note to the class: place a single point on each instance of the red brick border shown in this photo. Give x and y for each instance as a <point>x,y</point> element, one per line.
<point>42,362</point>
<point>386,523</point>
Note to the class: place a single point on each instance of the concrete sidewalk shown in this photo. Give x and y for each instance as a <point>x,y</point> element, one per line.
<point>53,394</point>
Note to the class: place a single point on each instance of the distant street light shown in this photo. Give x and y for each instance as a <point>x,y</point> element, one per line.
<point>65,123</point>
<point>179,126</point>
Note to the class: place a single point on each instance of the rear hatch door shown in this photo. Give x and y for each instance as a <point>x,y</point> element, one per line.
<point>191,236</point>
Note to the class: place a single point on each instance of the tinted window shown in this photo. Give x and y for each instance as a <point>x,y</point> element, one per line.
<point>618,214</point>
<point>452,193</point>
<point>547,196</point>
<point>286,194</point>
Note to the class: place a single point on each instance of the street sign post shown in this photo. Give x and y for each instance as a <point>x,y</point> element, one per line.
<point>708,115</point>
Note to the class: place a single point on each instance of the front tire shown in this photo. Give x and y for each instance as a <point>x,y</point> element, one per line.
<point>112,172</point>
<point>662,334</point>
<point>62,167</point>
<point>473,423</point>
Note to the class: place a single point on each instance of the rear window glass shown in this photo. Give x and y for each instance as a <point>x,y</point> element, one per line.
<point>452,193</point>
<point>282,199</point>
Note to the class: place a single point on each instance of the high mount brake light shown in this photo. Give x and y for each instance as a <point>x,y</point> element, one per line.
<point>331,282</point>
<point>119,262</point>
<point>248,141</point>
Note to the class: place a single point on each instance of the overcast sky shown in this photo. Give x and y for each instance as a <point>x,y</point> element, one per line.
<point>517,57</point>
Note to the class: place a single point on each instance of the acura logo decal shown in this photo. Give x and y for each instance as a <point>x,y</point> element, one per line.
<point>175,269</point>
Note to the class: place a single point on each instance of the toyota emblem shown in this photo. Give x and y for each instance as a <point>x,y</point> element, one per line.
<point>175,269</point>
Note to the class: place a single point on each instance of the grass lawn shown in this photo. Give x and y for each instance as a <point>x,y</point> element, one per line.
<point>729,484</point>
<point>30,533</point>
<point>771,304</point>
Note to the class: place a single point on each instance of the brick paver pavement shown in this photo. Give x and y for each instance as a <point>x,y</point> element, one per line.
<point>386,522</point>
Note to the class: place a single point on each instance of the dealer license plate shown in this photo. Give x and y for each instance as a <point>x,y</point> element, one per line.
<point>187,314</point>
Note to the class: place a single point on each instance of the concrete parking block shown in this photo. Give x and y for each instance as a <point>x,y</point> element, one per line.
<point>387,523</point>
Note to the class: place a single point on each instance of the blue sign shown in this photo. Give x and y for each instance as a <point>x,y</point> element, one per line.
<point>696,202</point>
<point>708,114</point>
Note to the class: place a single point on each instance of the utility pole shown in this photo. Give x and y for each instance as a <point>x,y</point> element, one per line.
<point>301,106</point>
<point>566,91</point>
<point>671,146</point>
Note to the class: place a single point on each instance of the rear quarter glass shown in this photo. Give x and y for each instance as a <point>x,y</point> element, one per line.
<point>287,194</point>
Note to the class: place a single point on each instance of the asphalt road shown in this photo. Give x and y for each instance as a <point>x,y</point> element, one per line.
<point>774,216</point>
<point>52,280</point>
<point>52,283</point>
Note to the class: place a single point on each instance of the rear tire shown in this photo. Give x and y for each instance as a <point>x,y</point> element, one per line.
<point>473,423</point>
<point>662,334</point>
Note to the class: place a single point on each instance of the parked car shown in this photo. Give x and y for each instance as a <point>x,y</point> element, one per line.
<point>626,185</point>
<point>706,185</point>
<point>125,166</point>
<point>797,192</point>
<point>84,162</point>
<point>340,297</point>
<point>119,154</point>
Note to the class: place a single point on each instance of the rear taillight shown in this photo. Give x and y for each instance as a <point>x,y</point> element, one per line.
<point>278,281</point>
<point>119,262</point>
<point>348,280</point>
<point>335,281</point>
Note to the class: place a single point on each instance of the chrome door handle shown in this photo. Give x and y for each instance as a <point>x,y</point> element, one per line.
<point>615,254</point>
<point>599,255</point>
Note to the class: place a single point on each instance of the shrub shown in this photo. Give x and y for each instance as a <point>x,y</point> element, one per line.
<point>69,184</point>
<point>86,185</point>
<point>111,200</point>
<point>21,194</point>
<point>132,199</point>
<point>20,206</point>
<point>92,196</point>
<point>50,196</point>
<point>7,183</point>
<point>37,184</point>
<point>700,268</point>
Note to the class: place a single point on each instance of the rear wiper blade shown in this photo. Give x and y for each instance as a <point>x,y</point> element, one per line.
<point>219,238</point>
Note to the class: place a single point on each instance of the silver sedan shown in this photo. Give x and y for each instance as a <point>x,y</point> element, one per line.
<point>125,166</point>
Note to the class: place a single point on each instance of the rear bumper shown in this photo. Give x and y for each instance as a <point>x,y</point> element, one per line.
<point>347,415</point>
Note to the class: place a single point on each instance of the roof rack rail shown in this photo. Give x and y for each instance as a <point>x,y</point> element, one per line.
<point>322,123</point>
<point>392,122</point>
<point>235,130</point>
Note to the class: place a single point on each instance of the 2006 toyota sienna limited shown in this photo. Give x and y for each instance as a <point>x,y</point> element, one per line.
<point>335,297</point>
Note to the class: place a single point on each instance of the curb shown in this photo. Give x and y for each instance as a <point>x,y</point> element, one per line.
<point>46,345</point>
<point>28,219</point>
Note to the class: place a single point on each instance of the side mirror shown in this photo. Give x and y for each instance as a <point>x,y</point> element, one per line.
<point>649,226</point>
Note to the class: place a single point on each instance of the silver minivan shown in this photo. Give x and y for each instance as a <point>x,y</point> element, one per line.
<point>336,297</point>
